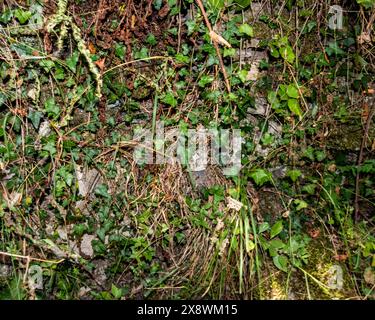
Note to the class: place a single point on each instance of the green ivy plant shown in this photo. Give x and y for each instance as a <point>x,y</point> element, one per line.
<point>367,4</point>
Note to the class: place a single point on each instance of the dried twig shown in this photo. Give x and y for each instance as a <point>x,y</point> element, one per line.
<point>215,42</point>
<point>28,258</point>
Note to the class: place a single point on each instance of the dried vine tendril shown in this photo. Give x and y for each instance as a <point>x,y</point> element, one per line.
<point>60,18</point>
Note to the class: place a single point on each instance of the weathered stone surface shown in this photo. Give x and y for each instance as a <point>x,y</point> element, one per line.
<point>86,246</point>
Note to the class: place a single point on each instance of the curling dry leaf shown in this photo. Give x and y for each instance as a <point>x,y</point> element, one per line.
<point>234,204</point>
<point>101,64</point>
<point>219,39</point>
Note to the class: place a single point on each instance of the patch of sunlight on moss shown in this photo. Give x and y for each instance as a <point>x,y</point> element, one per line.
<point>324,278</point>
<point>332,274</point>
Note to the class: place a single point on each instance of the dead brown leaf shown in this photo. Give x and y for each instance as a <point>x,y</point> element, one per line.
<point>92,48</point>
<point>164,11</point>
<point>314,233</point>
<point>340,257</point>
<point>101,64</point>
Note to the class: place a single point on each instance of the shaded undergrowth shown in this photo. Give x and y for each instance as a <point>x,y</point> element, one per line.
<point>76,206</point>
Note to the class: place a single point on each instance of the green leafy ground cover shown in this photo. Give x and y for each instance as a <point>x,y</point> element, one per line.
<point>77,78</point>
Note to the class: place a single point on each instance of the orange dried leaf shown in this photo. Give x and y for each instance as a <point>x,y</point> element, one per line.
<point>92,48</point>
<point>365,112</point>
<point>20,112</point>
<point>134,19</point>
<point>101,64</point>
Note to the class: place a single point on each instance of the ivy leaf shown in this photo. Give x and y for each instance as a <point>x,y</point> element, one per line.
<point>6,16</point>
<point>170,99</point>
<point>47,64</point>
<point>260,176</point>
<point>116,292</point>
<point>309,153</point>
<point>79,229</point>
<point>101,234</point>
<point>243,3</point>
<point>120,51</point>
<point>249,245</point>
<point>172,3</point>
<point>292,91</point>
<point>282,92</point>
<point>151,39</point>
<point>334,49</point>
<point>157,4</point>
<point>102,190</point>
<point>66,175</point>
<point>35,117</point>
<point>22,16</point>
<point>320,155</point>
<point>274,52</point>
<point>287,54</point>
<point>293,105</point>
<point>309,27</point>
<point>52,108</point>
<point>243,75</point>
<point>264,227</point>
<point>294,174</point>
<point>141,54</point>
<point>276,228</point>
<point>366,3</point>
<point>217,4</point>
<point>246,29</point>
<point>368,249</point>
<point>229,52</point>
<point>205,80</point>
<point>72,61</point>
<point>309,188</point>
<point>267,139</point>
<point>50,147</point>
<point>273,100</point>
<point>300,204</point>
<point>191,24</point>
<point>281,262</point>
<point>181,58</point>
<point>59,74</point>
<point>277,244</point>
